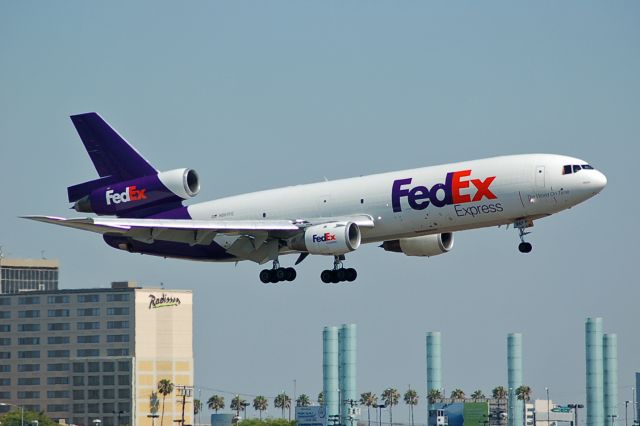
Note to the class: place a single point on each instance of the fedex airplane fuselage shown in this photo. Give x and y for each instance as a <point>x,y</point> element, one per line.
<point>414,211</point>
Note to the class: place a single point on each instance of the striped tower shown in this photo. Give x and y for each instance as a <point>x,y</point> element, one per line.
<point>434,363</point>
<point>514,378</point>
<point>595,372</point>
<point>610,343</point>
<point>347,358</point>
<point>330,381</point>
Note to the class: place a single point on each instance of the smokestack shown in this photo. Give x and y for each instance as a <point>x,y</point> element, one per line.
<point>595,373</point>
<point>610,376</point>
<point>514,378</point>
<point>347,359</point>
<point>434,363</point>
<point>330,369</point>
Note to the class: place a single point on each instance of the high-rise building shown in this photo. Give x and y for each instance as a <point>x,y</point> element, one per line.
<point>96,354</point>
<point>20,275</point>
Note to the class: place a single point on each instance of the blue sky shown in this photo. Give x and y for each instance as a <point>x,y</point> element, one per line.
<point>256,95</point>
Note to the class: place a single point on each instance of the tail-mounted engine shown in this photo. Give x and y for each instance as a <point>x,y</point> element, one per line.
<point>427,245</point>
<point>147,192</point>
<point>334,238</point>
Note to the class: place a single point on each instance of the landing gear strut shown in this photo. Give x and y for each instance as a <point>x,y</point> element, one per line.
<point>521,225</point>
<point>338,273</point>
<point>277,274</point>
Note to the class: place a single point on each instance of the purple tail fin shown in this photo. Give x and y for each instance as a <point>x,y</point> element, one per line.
<point>114,159</point>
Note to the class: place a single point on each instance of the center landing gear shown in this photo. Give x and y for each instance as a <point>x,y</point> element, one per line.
<point>277,274</point>
<point>521,225</point>
<point>338,273</point>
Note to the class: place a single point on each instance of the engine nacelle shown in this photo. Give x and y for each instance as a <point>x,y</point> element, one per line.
<point>427,245</point>
<point>144,192</point>
<point>330,238</point>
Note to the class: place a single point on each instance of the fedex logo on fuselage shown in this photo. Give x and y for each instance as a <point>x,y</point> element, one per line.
<point>324,237</point>
<point>441,194</point>
<point>131,193</point>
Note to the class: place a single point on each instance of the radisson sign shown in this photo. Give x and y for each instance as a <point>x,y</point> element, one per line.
<point>163,301</point>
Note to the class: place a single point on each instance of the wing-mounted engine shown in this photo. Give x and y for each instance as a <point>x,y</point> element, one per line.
<point>333,238</point>
<point>162,190</point>
<point>427,245</point>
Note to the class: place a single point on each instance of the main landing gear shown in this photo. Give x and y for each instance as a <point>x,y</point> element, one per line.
<point>521,225</point>
<point>277,274</point>
<point>338,273</point>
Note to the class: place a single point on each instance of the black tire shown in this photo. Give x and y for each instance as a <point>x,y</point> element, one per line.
<point>525,247</point>
<point>265,276</point>
<point>290,274</point>
<point>334,277</point>
<point>325,276</point>
<point>273,276</point>
<point>341,274</point>
<point>281,274</point>
<point>352,274</point>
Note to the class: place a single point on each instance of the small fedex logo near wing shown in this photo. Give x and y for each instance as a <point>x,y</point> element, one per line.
<point>442,194</point>
<point>131,193</point>
<point>327,236</point>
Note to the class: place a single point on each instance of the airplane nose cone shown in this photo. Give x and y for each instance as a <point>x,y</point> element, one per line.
<point>599,181</point>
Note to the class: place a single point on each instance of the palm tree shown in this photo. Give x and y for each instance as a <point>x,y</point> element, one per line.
<point>477,394</point>
<point>499,392</point>
<point>238,404</point>
<point>215,403</point>
<point>260,404</point>
<point>368,399</point>
<point>457,394</point>
<point>303,401</point>
<point>524,394</point>
<point>165,387</point>
<point>390,397</point>
<point>434,395</point>
<point>321,398</point>
<point>283,401</point>
<point>411,399</point>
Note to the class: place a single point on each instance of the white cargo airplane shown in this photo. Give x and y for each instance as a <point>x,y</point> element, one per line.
<point>414,212</point>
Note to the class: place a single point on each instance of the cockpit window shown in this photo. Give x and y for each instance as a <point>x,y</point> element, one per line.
<point>576,168</point>
<point>587,167</point>
<point>566,170</point>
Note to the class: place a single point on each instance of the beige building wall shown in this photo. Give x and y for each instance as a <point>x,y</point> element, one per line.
<point>163,350</point>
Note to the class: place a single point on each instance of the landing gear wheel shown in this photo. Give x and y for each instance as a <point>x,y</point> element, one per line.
<point>326,276</point>
<point>351,274</point>
<point>273,276</point>
<point>265,276</point>
<point>290,274</point>
<point>525,247</point>
<point>281,274</point>
<point>341,274</point>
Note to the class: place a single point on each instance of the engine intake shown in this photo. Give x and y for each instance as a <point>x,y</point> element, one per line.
<point>334,238</point>
<point>427,245</point>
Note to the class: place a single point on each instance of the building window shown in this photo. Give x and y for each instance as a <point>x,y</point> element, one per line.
<point>88,325</point>
<point>58,394</point>
<point>93,394</point>
<point>28,340</point>
<point>5,301</point>
<point>108,394</point>
<point>126,407</point>
<point>58,380</point>
<point>124,366</point>
<point>5,314</point>
<point>117,324</point>
<point>108,407</point>
<point>29,314</point>
<point>93,380</point>
<point>58,326</point>
<point>108,380</point>
<point>58,367</point>
<point>89,312</point>
<point>5,368</point>
<point>58,313</point>
<point>120,297</point>
<point>28,327</point>
<point>88,298</point>
<point>5,328</point>
<point>5,382</point>
<point>5,355</point>
<point>93,367</point>
<point>5,395</point>
<point>29,300</point>
<point>58,340</point>
<point>28,354</point>
<point>31,407</point>
<point>78,381</point>
<point>117,338</point>
<point>94,338</point>
<point>78,408</point>
<point>93,408</point>
<point>57,408</point>
<point>87,352</point>
<point>28,381</point>
<point>108,367</point>
<point>118,311</point>
<point>58,353</point>
<point>118,352</point>
<point>57,299</point>
<point>124,393</point>
<point>5,341</point>
<point>124,380</point>
<point>78,367</point>
<point>28,395</point>
<point>28,367</point>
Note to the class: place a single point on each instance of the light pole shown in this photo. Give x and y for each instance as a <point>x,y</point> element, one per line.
<point>626,413</point>
<point>6,404</point>
<point>548,408</point>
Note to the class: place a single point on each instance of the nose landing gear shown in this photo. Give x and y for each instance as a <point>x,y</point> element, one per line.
<point>339,273</point>
<point>521,225</point>
<point>277,274</point>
